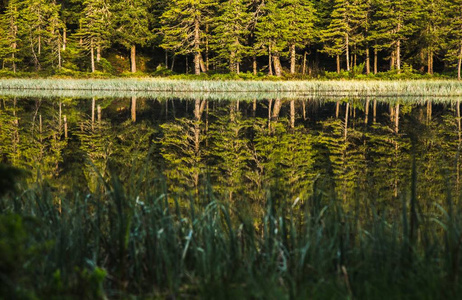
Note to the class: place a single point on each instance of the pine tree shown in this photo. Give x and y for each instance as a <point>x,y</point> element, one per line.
<point>270,33</point>
<point>454,35</point>
<point>9,26</point>
<point>395,21</point>
<point>132,26</point>
<point>184,28</point>
<point>299,17</point>
<point>348,16</point>
<point>231,32</point>
<point>95,28</point>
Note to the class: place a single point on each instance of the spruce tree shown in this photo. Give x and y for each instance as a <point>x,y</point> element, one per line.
<point>231,32</point>
<point>9,26</point>
<point>395,20</point>
<point>184,28</point>
<point>132,26</point>
<point>299,17</point>
<point>95,28</point>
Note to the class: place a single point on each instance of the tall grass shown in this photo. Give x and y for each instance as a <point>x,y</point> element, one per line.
<point>141,241</point>
<point>354,88</point>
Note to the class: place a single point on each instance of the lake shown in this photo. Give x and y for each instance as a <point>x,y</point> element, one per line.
<point>358,149</point>
<point>239,196</point>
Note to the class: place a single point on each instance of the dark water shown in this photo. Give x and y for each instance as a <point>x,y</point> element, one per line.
<point>355,150</point>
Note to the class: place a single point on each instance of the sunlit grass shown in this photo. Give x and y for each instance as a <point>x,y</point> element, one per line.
<point>353,88</point>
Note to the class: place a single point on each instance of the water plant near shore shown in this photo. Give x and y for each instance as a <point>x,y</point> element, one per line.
<point>142,241</point>
<point>438,88</point>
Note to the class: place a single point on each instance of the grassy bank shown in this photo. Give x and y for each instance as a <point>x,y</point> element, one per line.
<point>353,88</point>
<point>142,242</point>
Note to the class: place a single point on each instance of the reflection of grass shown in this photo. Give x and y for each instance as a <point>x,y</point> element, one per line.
<point>141,242</point>
<point>416,87</point>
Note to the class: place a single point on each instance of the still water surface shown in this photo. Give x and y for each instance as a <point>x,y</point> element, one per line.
<point>357,150</point>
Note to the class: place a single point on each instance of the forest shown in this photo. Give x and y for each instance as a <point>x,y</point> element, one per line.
<point>273,37</point>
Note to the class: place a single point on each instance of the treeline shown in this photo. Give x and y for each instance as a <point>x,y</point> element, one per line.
<point>270,36</point>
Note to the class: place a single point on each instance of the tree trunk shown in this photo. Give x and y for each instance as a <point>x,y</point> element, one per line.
<point>459,62</point>
<point>93,105</point>
<point>133,58</point>
<point>92,57</point>
<point>133,109</point>
<point>368,61</point>
<point>270,62</point>
<point>292,114</point>
<point>166,59</point>
<point>347,51</point>
<point>276,109</point>
<point>398,50</point>
<point>346,119</point>
<point>338,64</point>
<point>397,119</point>
<point>98,53</point>
<point>375,59</point>
<point>197,40</point>
<point>206,48</point>
<point>203,65</point>
<point>64,38</point>
<point>277,65</point>
<point>304,63</point>
<point>292,59</point>
<point>374,111</point>
<point>366,119</point>
<point>254,65</point>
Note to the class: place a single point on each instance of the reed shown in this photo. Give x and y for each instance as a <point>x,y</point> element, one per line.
<point>142,241</point>
<point>441,88</point>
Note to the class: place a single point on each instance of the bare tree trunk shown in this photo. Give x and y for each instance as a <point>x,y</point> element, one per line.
<point>277,65</point>
<point>276,109</point>
<point>398,50</point>
<point>337,109</point>
<point>304,63</point>
<point>93,104</point>
<point>254,107</point>
<point>375,59</point>
<point>368,61</point>
<point>375,111</point>
<point>459,62</point>
<point>65,127</point>
<point>197,53</point>
<point>98,53</point>
<point>133,109</point>
<point>346,119</point>
<point>292,114</point>
<point>347,52</point>
<point>203,65</point>
<point>92,57</point>
<point>206,48</point>
<point>366,120</point>
<point>166,58</point>
<point>254,65</point>
<point>397,119</point>
<point>64,38</point>
<point>292,59</point>
<point>338,64</point>
<point>99,114</point>
<point>270,62</point>
<point>133,58</point>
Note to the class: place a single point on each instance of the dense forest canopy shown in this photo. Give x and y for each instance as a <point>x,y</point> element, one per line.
<point>274,37</point>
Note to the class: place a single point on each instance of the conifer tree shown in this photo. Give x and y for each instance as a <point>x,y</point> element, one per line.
<point>184,28</point>
<point>299,17</point>
<point>231,31</point>
<point>454,35</point>
<point>95,28</point>
<point>9,26</point>
<point>132,26</point>
<point>395,21</point>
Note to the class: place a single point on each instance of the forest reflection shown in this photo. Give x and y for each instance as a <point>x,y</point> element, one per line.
<point>356,150</point>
